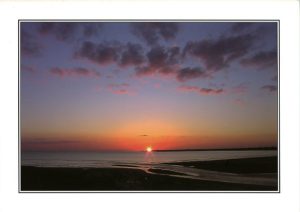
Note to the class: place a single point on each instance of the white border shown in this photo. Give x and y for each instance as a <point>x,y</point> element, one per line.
<point>287,12</point>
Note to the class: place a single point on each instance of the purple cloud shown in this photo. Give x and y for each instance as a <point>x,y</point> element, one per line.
<point>151,32</point>
<point>132,55</point>
<point>167,61</point>
<point>91,29</point>
<point>270,88</point>
<point>103,53</point>
<point>62,31</point>
<point>67,31</point>
<point>217,54</point>
<point>157,57</point>
<point>71,72</point>
<point>204,91</point>
<point>29,45</point>
<point>190,73</point>
<point>261,60</point>
<point>160,60</point>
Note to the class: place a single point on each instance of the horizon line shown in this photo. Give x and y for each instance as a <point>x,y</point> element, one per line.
<point>161,150</point>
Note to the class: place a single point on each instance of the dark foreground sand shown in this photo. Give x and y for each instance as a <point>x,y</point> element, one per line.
<point>239,166</point>
<point>130,179</point>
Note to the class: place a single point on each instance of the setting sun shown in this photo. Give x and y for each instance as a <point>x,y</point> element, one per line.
<point>149,149</point>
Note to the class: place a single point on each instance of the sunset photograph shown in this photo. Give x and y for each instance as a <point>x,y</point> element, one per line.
<point>148,106</point>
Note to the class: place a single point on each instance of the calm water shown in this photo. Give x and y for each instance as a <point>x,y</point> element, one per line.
<point>100,159</point>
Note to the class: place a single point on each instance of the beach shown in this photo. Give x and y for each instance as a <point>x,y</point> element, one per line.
<point>247,174</point>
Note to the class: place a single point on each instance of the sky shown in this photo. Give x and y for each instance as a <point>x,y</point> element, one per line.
<point>124,86</point>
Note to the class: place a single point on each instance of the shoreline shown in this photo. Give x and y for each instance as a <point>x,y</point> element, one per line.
<point>238,166</point>
<point>181,176</point>
<point>119,179</point>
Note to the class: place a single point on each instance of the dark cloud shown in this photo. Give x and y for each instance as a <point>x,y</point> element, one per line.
<point>145,71</point>
<point>160,56</point>
<point>105,53</point>
<point>174,54</point>
<point>91,29</point>
<point>29,44</point>
<point>205,91</point>
<point>160,60</point>
<point>167,30</point>
<point>271,88</point>
<point>217,54</point>
<point>241,26</point>
<point>190,73</point>
<point>132,55</point>
<point>167,61</point>
<point>263,31</point>
<point>261,60</point>
<point>151,32</point>
<point>157,57</point>
<point>67,31</point>
<point>211,91</point>
<point>102,53</point>
<point>67,72</point>
<point>62,31</point>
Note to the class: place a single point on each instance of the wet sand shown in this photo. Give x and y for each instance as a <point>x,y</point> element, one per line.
<point>118,179</point>
<point>181,176</point>
<point>240,166</point>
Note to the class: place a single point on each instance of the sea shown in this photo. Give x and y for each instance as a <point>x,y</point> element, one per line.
<point>104,159</point>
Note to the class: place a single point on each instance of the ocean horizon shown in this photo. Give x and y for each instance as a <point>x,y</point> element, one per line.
<point>100,159</point>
